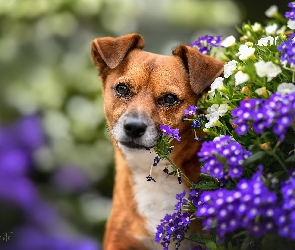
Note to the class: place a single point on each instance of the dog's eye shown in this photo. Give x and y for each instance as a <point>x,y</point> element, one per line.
<point>169,100</point>
<point>122,90</point>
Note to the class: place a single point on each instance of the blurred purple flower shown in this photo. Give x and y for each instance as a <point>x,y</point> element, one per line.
<point>31,238</point>
<point>204,43</point>
<point>39,221</point>
<point>30,132</point>
<point>287,48</point>
<point>291,14</point>
<point>70,179</point>
<point>18,143</point>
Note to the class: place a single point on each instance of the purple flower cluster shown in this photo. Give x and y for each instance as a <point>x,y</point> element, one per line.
<point>287,48</point>
<point>223,156</point>
<point>170,131</point>
<point>276,113</point>
<point>192,109</point>
<point>173,227</point>
<point>285,218</point>
<point>17,145</point>
<point>18,192</point>
<point>204,43</point>
<point>291,14</point>
<point>249,206</point>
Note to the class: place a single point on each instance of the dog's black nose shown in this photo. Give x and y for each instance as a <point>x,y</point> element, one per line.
<point>134,127</point>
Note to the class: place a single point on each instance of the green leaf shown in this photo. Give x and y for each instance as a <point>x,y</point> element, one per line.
<point>201,238</point>
<point>253,158</point>
<point>248,241</point>
<point>211,245</point>
<point>290,159</point>
<point>206,185</point>
<point>274,242</point>
<point>162,148</point>
<point>290,136</point>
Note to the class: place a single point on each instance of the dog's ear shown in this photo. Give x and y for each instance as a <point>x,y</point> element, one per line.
<point>202,69</point>
<point>109,51</point>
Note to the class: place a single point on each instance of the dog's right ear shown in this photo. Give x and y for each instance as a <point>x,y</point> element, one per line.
<point>202,69</point>
<point>110,51</point>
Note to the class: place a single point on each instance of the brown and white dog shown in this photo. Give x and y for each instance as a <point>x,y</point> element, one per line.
<point>141,91</point>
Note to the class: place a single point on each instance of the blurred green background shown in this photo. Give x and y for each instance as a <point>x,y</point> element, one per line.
<point>45,69</point>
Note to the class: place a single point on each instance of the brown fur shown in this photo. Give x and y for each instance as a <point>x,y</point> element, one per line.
<point>149,76</point>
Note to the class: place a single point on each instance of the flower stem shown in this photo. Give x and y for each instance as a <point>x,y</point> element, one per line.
<point>278,160</point>
<point>177,169</point>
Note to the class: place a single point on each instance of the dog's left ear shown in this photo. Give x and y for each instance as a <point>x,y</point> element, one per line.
<point>202,69</point>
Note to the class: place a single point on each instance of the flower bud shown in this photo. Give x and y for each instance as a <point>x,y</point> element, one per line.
<point>247,27</point>
<point>265,146</point>
<point>249,44</point>
<point>245,90</point>
<point>262,92</point>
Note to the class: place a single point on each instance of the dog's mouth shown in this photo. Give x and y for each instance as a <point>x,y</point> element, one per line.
<point>133,145</point>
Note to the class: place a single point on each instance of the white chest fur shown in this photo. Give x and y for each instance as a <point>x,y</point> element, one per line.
<point>154,199</point>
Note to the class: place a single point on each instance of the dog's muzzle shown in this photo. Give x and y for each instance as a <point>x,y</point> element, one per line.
<point>135,132</point>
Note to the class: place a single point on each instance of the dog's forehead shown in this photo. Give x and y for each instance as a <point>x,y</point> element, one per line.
<point>160,70</point>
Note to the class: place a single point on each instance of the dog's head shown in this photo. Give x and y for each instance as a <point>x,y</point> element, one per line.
<point>143,90</point>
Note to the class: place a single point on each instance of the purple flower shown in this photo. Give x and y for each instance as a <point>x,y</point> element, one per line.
<point>204,43</point>
<point>192,109</point>
<point>156,161</point>
<point>196,123</point>
<point>250,206</point>
<point>150,178</point>
<point>173,227</point>
<point>285,217</point>
<point>288,192</point>
<point>288,51</point>
<point>276,113</point>
<point>194,197</point>
<point>221,153</point>
<point>181,200</point>
<point>291,15</point>
<point>170,131</point>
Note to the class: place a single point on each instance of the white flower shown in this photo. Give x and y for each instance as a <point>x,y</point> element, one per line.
<point>271,29</point>
<point>228,41</point>
<point>268,69</point>
<point>229,68</point>
<point>272,11</point>
<point>264,41</point>
<point>291,24</point>
<point>286,88</point>
<point>217,84</point>
<point>256,27</point>
<point>223,108</point>
<point>212,122</point>
<point>241,77</point>
<point>245,52</point>
<point>214,112</point>
<point>213,109</point>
